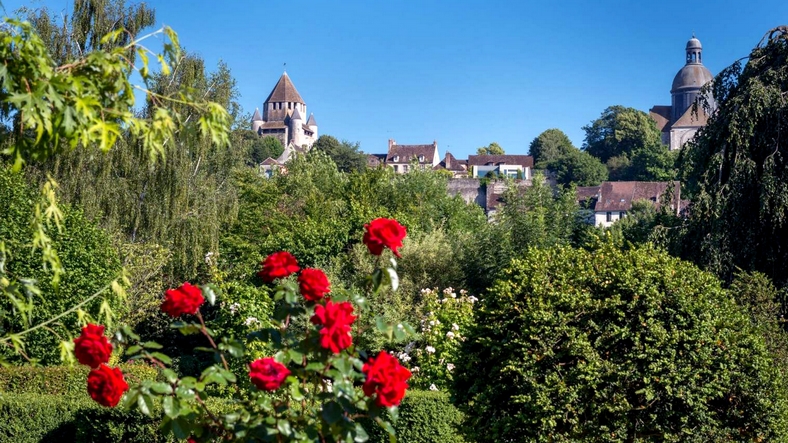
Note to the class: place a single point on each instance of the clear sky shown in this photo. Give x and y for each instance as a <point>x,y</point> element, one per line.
<point>462,72</point>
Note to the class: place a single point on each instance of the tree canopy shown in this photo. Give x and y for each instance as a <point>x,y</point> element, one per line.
<point>550,145</point>
<point>491,149</point>
<point>737,168</point>
<point>347,156</point>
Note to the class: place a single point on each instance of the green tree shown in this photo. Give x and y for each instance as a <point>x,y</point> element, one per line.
<point>736,167</point>
<point>347,156</point>
<point>258,148</point>
<point>550,145</point>
<point>617,346</point>
<point>620,130</point>
<point>491,149</point>
<point>577,167</point>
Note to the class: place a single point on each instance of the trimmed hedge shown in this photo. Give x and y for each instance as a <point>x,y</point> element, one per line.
<point>424,417</point>
<point>62,380</point>
<point>33,418</point>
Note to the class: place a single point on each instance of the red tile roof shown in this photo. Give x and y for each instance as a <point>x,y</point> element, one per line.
<point>618,196</point>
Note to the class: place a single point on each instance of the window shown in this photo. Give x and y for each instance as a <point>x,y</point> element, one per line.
<point>621,214</point>
<point>396,168</point>
<point>421,158</point>
<point>609,217</point>
<point>396,158</point>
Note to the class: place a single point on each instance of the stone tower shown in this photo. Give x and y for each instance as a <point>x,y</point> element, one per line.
<point>679,122</point>
<point>282,117</point>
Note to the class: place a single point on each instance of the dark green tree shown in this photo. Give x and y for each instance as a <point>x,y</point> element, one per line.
<point>737,168</point>
<point>258,148</point>
<point>347,156</point>
<point>572,345</point>
<point>577,167</point>
<point>550,145</point>
<point>620,131</point>
<point>492,149</point>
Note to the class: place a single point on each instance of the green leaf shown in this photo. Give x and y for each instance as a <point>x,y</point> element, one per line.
<point>162,357</point>
<point>284,427</point>
<point>332,412</point>
<point>145,403</point>
<point>359,434</point>
<point>151,345</point>
<point>161,388</point>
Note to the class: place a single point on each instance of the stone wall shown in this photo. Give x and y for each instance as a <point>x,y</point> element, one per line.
<point>469,189</point>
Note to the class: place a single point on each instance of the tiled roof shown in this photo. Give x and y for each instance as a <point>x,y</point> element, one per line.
<point>269,162</point>
<point>407,152</point>
<point>273,125</point>
<point>296,115</point>
<point>526,161</point>
<point>311,121</point>
<point>691,119</point>
<point>618,196</point>
<point>257,117</point>
<point>661,115</point>
<point>586,192</point>
<point>284,91</point>
<point>450,163</point>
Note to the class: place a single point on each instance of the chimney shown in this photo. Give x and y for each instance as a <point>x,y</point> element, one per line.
<point>392,142</point>
<point>447,160</point>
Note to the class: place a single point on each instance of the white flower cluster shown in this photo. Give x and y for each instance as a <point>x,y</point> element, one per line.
<point>430,350</point>
<point>209,260</point>
<point>450,367</point>
<point>251,321</point>
<point>433,387</point>
<point>403,357</point>
<point>234,307</point>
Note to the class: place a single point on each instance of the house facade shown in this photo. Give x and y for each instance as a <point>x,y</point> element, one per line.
<point>512,166</point>
<point>611,201</point>
<point>402,157</point>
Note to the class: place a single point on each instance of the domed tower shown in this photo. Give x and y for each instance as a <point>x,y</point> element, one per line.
<point>689,80</point>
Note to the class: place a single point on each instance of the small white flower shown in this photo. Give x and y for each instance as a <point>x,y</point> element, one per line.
<point>448,290</point>
<point>455,327</point>
<point>473,299</point>
<point>430,350</point>
<point>404,357</point>
<point>432,322</point>
<point>463,292</point>
<point>450,367</point>
<point>234,307</point>
<point>433,387</point>
<point>453,295</point>
<point>450,334</point>
<point>415,369</point>
<point>329,386</point>
<point>209,258</point>
<point>251,321</point>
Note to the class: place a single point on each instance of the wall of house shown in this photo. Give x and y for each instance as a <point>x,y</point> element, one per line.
<point>600,218</point>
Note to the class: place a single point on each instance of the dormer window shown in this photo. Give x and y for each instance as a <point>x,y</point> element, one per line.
<point>396,158</point>
<point>421,158</point>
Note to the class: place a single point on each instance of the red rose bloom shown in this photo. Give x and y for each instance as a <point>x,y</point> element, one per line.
<point>92,348</point>
<point>313,284</point>
<point>278,265</point>
<point>386,378</point>
<point>336,319</point>
<point>384,233</point>
<point>106,385</point>
<point>184,300</point>
<point>267,373</point>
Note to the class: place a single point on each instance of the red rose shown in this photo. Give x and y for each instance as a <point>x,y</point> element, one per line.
<point>386,378</point>
<point>313,284</point>
<point>384,233</point>
<point>106,385</point>
<point>336,319</point>
<point>184,300</point>
<point>278,265</point>
<point>92,348</point>
<point>267,373</point>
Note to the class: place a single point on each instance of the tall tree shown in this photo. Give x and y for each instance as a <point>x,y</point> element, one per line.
<point>620,131</point>
<point>550,145</point>
<point>492,149</point>
<point>347,156</point>
<point>738,167</point>
<point>576,167</point>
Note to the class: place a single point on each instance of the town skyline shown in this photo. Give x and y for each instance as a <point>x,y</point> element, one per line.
<point>463,73</point>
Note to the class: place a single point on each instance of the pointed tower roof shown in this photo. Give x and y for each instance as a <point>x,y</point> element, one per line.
<point>284,91</point>
<point>257,117</point>
<point>311,121</point>
<point>296,115</point>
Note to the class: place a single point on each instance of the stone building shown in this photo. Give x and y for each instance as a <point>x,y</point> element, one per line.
<point>611,201</point>
<point>679,122</point>
<point>402,157</point>
<point>283,117</point>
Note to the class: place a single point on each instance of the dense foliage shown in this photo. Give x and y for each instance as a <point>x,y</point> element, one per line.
<point>572,345</point>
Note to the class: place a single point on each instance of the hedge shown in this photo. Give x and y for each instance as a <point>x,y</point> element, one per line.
<point>61,380</point>
<point>32,418</point>
<point>424,417</point>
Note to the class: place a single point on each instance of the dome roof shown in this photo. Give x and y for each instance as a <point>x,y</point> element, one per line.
<point>694,43</point>
<point>691,76</point>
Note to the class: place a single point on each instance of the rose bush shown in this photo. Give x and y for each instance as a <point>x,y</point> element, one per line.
<point>314,387</point>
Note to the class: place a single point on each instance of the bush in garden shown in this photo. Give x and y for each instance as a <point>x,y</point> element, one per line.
<point>448,318</point>
<point>423,417</point>
<point>610,345</point>
<point>314,388</point>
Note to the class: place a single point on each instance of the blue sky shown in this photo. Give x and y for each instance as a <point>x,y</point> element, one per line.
<point>462,72</point>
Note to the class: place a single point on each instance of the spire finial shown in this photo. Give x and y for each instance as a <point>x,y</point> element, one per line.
<point>285,65</point>
<point>693,34</point>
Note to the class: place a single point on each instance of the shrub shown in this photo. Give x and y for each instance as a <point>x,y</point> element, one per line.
<point>68,381</point>
<point>610,345</point>
<point>424,417</point>
<point>31,418</point>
